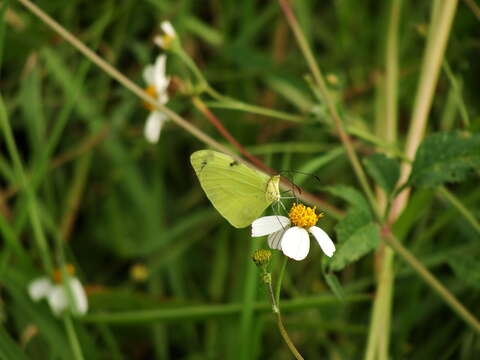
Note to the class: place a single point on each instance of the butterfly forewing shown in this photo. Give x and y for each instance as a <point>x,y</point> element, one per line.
<point>236,191</point>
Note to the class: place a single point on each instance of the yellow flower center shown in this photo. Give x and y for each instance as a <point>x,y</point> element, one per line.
<point>303,216</point>
<point>57,273</point>
<point>151,91</point>
<point>139,272</point>
<point>261,257</point>
<point>166,41</point>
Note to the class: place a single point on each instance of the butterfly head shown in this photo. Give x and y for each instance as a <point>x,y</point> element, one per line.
<point>273,191</point>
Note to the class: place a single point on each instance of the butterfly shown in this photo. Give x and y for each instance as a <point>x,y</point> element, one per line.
<point>239,193</point>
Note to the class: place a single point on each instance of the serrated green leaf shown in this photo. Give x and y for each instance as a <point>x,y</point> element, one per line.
<point>384,170</point>
<point>354,220</point>
<point>358,244</point>
<point>350,195</point>
<point>445,157</point>
<point>467,268</point>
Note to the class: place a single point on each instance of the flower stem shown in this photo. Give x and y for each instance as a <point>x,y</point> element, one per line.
<point>281,327</point>
<point>72,337</point>
<point>278,288</point>
<point>286,338</point>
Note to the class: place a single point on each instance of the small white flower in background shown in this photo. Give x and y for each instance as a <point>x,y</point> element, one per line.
<point>56,295</point>
<point>157,84</point>
<point>293,240</point>
<point>165,40</point>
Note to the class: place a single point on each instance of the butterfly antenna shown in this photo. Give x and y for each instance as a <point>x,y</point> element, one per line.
<point>299,172</point>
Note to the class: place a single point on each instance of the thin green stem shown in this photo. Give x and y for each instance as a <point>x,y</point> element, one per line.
<point>286,338</point>
<point>322,87</point>
<point>437,42</point>
<point>232,104</point>
<point>427,276</point>
<point>226,102</point>
<point>202,312</point>
<point>379,331</point>
<point>203,83</point>
<point>276,311</point>
<point>391,74</point>
<point>462,109</point>
<point>462,209</point>
<point>278,288</point>
<point>385,288</point>
<point>33,211</point>
<point>441,21</point>
<point>72,337</point>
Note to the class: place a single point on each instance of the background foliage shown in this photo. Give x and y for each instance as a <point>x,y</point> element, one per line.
<point>119,201</point>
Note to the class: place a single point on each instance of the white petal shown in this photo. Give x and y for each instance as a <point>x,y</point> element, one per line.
<point>323,239</point>
<point>162,97</point>
<point>275,239</point>
<point>40,288</point>
<point>153,126</point>
<point>167,28</point>
<point>269,224</point>
<point>160,79</point>
<point>81,303</point>
<point>296,243</point>
<point>57,299</point>
<point>148,75</point>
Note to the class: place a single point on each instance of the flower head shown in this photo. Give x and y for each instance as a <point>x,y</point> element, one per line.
<point>169,35</point>
<point>54,290</point>
<point>157,85</point>
<point>294,240</point>
<point>139,272</point>
<point>261,257</point>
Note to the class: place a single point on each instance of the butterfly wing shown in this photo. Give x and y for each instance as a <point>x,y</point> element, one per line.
<point>235,190</point>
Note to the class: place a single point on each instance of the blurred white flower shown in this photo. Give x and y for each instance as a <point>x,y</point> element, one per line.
<point>57,296</point>
<point>293,240</point>
<point>157,84</point>
<point>165,40</point>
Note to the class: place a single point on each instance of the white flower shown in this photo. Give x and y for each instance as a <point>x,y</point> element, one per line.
<point>169,34</point>
<point>157,84</point>
<point>293,240</point>
<point>40,288</point>
<point>57,297</point>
